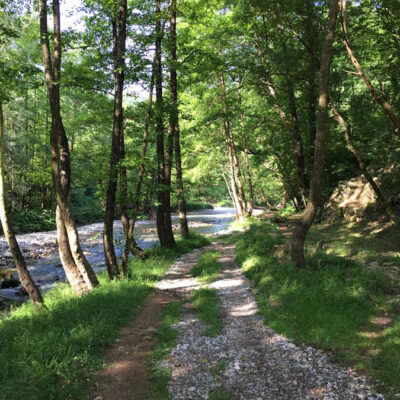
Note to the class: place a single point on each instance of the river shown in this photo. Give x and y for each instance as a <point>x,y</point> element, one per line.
<point>44,264</point>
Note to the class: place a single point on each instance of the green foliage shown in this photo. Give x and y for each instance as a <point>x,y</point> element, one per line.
<point>330,304</point>
<point>287,211</point>
<point>207,269</point>
<point>50,355</point>
<point>33,221</point>
<point>206,304</point>
<point>193,205</point>
<point>85,206</point>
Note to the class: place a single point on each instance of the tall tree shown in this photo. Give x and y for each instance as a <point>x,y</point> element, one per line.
<point>173,129</point>
<point>19,260</point>
<point>77,268</point>
<point>164,227</point>
<point>300,233</point>
<point>119,46</point>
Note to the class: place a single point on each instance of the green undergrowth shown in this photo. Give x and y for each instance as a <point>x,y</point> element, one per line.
<point>330,304</point>
<point>193,205</point>
<point>207,269</point>
<point>166,336</point>
<point>50,355</point>
<point>206,304</point>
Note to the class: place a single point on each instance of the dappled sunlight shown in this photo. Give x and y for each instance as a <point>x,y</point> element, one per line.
<point>226,283</point>
<point>244,310</point>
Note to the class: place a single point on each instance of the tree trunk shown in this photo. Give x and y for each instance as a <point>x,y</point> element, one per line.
<point>119,45</point>
<point>164,230</point>
<point>19,260</point>
<point>60,157</point>
<point>72,272</point>
<point>173,128</point>
<point>246,156</point>
<point>379,98</point>
<point>234,165</point>
<point>130,244</point>
<point>231,195</point>
<point>300,233</point>
<point>381,198</point>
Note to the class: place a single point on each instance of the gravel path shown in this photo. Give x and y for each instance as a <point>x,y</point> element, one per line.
<point>249,359</point>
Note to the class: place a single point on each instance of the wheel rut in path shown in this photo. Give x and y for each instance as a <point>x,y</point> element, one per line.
<point>249,359</point>
<point>126,375</point>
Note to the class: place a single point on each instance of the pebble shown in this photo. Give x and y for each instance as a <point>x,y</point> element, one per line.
<point>258,363</point>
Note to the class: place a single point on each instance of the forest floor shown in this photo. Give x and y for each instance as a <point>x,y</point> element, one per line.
<point>203,335</point>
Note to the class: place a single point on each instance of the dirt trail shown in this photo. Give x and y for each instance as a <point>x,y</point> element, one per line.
<point>126,375</point>
<point>249,359</point>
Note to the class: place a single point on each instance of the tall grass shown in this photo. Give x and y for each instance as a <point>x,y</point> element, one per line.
<point>50,355</point>
<point>330,304</point>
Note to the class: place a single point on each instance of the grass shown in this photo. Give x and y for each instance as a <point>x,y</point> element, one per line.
<point>329,305</point>
<point>166,339</point>
<point>206,304</point>
<point>50,355</point>
<point>220,394</point>
<point>207,269</point>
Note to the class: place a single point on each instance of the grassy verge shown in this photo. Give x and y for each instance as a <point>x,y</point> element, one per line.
<point>207,269</point>
<point>332,305</point>
<point>50,355</point>
<point>166,340</point>
<point>206,304</point>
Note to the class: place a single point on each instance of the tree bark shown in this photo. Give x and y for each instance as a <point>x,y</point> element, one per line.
<point>130,244</point>
<point>119,46</point>
<point>60,156</point>
<point>19,260</point>
<point>379,98</point>
<point>164,230</point>
<point>246,156</point>
<point>234,164</point>
<point>173,128</point>
<point>300,233</point>
<point>363,168</point>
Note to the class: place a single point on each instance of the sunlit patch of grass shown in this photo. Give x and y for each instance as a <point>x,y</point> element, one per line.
<point>50,355</point>
<point>207,269</point>
<point>328,304</point>
<point>206,304</point>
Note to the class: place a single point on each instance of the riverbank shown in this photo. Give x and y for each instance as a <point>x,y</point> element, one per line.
<point>49,355</point>
<point>44,264</point>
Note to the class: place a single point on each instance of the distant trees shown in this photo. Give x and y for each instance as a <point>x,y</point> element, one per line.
<point>233,113</point>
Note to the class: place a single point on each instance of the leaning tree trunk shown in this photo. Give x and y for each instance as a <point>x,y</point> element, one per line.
<point>19,260</point>
<point>164,229</point>
<point>173,128</point>
<point>379,98</point>
<point>60,156</point>
<point>300,233</point>
<point>119,45</point>
<point>363,168</point>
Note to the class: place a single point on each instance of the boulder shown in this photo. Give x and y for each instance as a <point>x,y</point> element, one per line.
<point>355,200</point>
